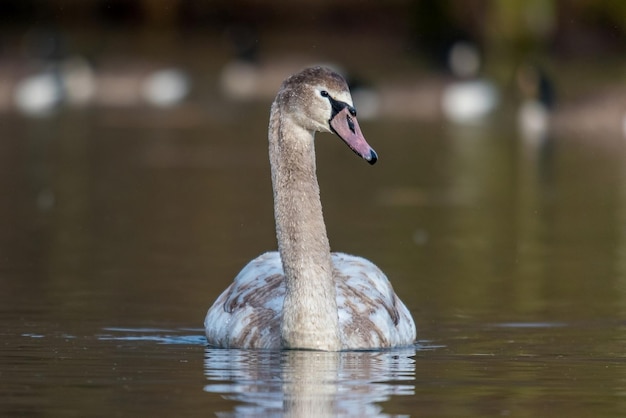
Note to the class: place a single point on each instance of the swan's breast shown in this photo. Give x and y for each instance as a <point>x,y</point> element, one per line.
<point>249,312</point>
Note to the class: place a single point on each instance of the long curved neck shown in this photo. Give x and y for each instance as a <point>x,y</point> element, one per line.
<point>310,318</point>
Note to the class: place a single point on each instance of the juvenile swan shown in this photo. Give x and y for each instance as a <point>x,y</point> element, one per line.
<point>304,296</point>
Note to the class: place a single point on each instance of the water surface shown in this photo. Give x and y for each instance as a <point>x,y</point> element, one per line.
<point>118,230</point>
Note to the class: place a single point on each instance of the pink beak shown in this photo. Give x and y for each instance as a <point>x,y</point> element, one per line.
<point>345,125</point>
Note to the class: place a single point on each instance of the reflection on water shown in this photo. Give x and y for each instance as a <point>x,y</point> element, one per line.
<point>309,384</point>
<point>160,336</point>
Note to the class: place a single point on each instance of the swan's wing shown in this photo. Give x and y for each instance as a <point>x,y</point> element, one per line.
<point>370,313</point>
<point>248,313</point>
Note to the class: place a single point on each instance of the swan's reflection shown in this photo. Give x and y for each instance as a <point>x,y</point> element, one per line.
<point>309,383</point>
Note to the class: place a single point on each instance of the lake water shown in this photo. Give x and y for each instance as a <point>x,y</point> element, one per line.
<point>119,229</point>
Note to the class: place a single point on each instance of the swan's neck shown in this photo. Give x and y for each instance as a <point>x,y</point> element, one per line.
<point>310,318</point>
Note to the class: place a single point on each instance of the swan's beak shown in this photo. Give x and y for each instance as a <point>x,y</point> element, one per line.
<point>347,128</point>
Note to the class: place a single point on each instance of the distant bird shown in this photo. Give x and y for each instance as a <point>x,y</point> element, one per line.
<point>74,82</point>
<point>166,87</point>
<point>538,99</point>
<point>468,99</point>
<point>38,94</point>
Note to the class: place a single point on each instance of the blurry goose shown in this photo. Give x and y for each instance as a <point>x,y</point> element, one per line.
<point>74,82</point>
<point>137,83</point>
<point>533,115</point>
<point>166,87</point>
<point>600,113</point>
<point>469,99</point>
<point>304,296</point>
<point>38,94</point>
<point>466,99</point>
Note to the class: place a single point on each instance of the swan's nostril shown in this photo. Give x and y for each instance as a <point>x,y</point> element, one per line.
<point>350,124</point>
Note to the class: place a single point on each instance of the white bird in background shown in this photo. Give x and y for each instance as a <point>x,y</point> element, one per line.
<point>469,99</point>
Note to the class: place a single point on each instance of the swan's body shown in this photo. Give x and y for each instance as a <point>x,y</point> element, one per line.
<point>303,296</point>
<point>248,313</point>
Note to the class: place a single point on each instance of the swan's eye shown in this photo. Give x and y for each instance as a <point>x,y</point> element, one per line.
<point>324,93</point>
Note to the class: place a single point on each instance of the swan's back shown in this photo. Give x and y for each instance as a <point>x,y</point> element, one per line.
<point>248,314</point>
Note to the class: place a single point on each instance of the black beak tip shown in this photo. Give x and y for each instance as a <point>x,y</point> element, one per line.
<point>373,157</point>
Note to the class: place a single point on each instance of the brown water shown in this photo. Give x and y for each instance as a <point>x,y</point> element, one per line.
<point>119,229</point>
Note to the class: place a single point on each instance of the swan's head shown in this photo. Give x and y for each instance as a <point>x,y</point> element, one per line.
<point>319,100</point>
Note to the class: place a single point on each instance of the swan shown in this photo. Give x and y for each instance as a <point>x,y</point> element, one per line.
<point>303,296</point>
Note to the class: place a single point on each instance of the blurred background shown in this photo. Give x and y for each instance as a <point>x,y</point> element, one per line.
<point>146,52</point>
